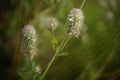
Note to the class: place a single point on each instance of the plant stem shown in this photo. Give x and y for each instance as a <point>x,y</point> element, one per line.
<point>62,45</point>
<point>65,42</point>
<point>83,2</point>
<point>49,65</point>
<point>53,40</point>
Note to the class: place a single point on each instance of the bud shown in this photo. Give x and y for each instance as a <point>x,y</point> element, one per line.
<point>51,24</point>
<point>75,22</point>
<point>38,69</point>
<point>29,41</point>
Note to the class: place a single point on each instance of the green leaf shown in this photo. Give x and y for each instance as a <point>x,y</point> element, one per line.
<point>63,54</point>
<point>20,73</point>
<point>24,69</point>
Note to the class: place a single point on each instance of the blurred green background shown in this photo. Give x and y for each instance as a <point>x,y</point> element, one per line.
<point>95,56</point>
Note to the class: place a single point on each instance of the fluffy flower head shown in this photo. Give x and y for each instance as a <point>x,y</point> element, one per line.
<point>51,23</point>
<point>29,41</point>
<point>75,22</point>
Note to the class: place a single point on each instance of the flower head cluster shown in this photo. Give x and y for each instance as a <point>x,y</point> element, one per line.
<point>29,41</point>
<point>51,23</point>
<point>75,22</point>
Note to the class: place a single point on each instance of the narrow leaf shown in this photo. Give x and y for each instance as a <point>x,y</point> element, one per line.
<point>63,54</point>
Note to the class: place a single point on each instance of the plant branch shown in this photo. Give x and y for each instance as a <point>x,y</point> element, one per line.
<point>57,51</point>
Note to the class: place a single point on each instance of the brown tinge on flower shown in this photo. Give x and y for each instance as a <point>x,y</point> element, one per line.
<point>29,37</point>
<point>75,22</point>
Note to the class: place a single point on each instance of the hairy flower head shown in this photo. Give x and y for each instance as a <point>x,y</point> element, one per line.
<point>51,23</point>
<point>29,41</point>
<point>75,22</point>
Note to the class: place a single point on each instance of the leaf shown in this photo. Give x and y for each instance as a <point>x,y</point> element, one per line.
<point>20,73</point>
<point>63,54</point>
<point>24,69</point>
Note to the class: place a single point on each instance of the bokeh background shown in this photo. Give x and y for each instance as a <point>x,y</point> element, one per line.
<point>95,56</point>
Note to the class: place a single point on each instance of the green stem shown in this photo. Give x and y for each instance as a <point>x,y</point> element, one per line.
<point>62,45</point>
<point>53,40</point>
<point>49,65</point>
<point>65,42</point>
<point>83,2</point>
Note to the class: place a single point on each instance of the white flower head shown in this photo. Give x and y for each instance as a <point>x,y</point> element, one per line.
<point>51,23</point>
<point>29,41</point>
<point>29,32</point>
<point>75,22</point>
<point>38,69</point>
